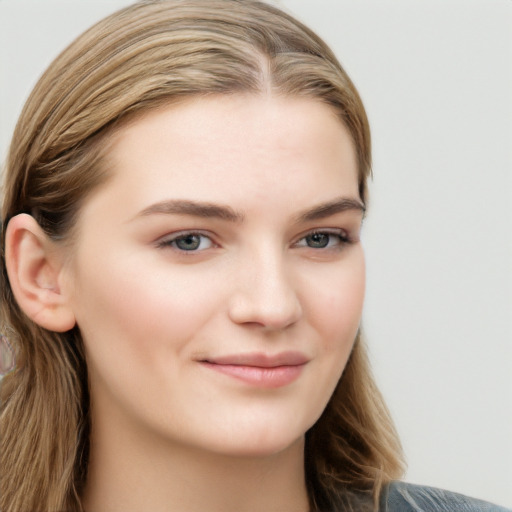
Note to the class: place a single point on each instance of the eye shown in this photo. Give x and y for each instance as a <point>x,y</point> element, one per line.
<point>187,242</point>
<point>323,239</point>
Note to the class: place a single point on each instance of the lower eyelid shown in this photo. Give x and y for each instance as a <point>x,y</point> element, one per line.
<point>342,235</point>
<point>170,240</point>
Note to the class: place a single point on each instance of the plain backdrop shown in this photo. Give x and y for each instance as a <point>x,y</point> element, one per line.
<point>436,78</point>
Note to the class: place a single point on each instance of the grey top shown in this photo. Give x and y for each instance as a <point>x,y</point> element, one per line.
<point>404,497</point>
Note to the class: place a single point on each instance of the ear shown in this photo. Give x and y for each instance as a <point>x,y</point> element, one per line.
<point>34,266</point>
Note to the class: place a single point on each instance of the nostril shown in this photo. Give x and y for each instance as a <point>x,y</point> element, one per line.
<point>269,312</point>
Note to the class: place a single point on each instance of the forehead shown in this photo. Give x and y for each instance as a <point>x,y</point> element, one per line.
<point>214,132</point>
<point>233,148</point>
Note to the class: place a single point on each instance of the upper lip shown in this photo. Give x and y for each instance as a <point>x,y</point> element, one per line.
<point>260,360</point>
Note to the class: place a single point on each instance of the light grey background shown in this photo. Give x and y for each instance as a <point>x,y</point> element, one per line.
<point>436,78</point>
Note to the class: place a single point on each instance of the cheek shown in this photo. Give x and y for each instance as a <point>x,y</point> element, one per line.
<point>337,306</point>
<point>334,315</point>
<point>139,310</point>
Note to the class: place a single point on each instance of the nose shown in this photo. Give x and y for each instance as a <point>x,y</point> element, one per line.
<point>265,294</point>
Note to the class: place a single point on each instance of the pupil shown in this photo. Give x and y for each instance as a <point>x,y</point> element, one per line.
<point>188,242</point>
<point>318,240</point>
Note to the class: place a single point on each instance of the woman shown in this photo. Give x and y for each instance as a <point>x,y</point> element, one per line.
<point>182,276</point>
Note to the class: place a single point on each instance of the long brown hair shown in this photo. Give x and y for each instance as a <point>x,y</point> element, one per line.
<point>151,53</point>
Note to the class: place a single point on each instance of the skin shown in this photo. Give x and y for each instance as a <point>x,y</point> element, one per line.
<point>169,430</point>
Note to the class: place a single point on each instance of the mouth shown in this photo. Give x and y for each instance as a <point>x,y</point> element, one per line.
<point>260,370</point>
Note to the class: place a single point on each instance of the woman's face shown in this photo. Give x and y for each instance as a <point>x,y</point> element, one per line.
<point>218,276</point>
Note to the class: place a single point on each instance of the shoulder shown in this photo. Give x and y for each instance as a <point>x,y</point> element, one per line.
<point>404,497</point>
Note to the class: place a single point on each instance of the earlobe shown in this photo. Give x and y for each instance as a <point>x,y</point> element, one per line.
<point>34,266</point>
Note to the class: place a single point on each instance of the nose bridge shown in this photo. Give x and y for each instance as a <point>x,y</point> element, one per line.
<point>265,292</point>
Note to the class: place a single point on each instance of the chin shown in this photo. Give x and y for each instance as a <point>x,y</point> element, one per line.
<point>255,450</point>
<point>263,442</point>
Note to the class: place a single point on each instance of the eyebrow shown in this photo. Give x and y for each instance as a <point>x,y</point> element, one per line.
<point>193,208</point>
<point>324,210</point>
<point>212,210</point>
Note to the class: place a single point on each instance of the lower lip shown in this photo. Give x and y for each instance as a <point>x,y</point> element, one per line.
<point>258,376</point>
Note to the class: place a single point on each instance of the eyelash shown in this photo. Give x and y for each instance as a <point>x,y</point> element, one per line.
<point>343,239</point>
<point>341,235</point>
<point>175,238</point>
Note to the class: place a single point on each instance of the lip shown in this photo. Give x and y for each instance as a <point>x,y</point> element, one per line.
<point>258,369</point>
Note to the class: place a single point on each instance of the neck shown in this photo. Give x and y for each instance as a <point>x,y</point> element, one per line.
<point>128,473</point>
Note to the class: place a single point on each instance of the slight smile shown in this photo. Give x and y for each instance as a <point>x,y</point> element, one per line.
<point>260,370</point>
